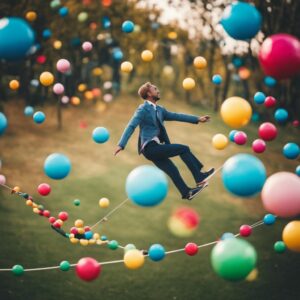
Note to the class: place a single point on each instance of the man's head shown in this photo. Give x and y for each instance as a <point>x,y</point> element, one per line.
<point>149,91</point>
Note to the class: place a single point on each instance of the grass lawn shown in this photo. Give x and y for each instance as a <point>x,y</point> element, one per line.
<point>27,239</point>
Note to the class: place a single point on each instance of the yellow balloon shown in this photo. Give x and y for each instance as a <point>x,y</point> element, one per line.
<point>96,236</point>
<point>220,141</point>
<point>35,210</point>
<point>82,87</point>
<point>147,55</point>
<point>172,35</point>
<point>97,72</point>
<point>133,259</point>
<point>236,112</point>
<point>31,16</point>
<point>46,78</point>
<point>88,95</point>
<point>126,67</point>
<point>291,236</point>
<point>75,100</point>
<point>80,230</point>
<point>188,83</point>
<point>74,240</point>
<point>14,84</point>
<point>29,202</point>
<point>200,62</point>
<point>92,242</point>
<point>103,202</point>
<point>57,44</point>
<point>83,242</point>
<point>79,223</point>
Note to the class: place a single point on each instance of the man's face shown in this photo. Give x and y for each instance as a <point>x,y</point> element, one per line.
<point>154,93</point>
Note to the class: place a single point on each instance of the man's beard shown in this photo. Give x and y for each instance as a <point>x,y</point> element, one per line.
<point>155,98</point>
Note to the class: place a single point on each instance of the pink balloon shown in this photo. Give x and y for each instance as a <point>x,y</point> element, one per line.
<point>279,56</point>
<point>267,131</point>
<point>270,101</point>
<point>87,46</point>
<point>259,146</point>
<point>2,179</point>
<point>240,138</point>
<point>281,194</point>
<point>58,88</point>
<point>245,230</point>
<point>63,65</point>
<point>44,189</point>
<point>88,269</point>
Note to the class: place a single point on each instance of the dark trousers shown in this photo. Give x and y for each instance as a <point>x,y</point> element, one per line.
<point>160,154</point>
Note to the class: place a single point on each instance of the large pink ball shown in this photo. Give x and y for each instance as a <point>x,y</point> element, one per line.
<point>281,194</point>
<point>267,131</point>
<point>240,138</point>
<point>279,56</point>
<point>58,88</point>
<point>88,269</point>
<point>63,65</point>
<point>259,146</point>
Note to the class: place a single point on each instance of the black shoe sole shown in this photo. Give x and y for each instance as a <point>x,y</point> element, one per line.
<point>205,184</point>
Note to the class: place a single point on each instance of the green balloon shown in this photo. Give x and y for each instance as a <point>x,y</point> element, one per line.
<point>233,259</point>
<point>55,3</point>
<point>113,245</point>
<point>17,270</point>
<point>64,265</point>
<point>82,16</point>
<point>76,202</point>
<point>129,247</point>
<point>279,247</point>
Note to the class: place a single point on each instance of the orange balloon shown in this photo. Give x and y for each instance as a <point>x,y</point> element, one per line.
<point>291,235</point>
<point>14,84</point>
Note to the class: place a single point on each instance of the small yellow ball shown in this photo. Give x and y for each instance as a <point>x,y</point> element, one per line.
<point>83,242</point>
<point>46,78</point>
<point>188,83</point>
<point>172,35</point>
<point>82,87</point>
<point>103,202</point>
<point>96,236</point>
<point>14,84</point>
<point>71,235</point>
<point>147,55</point>
<point>219,141</point>
<point>57,44</point>
<point>97,71</point>
<point>79,223</point>
<point>126,67</point>
<point>92,241</point>
<point>81,230</point>
<point>75,100</point>
<point>29,202</point>
<point>35,210</point>
<point>200,62</point>
<point>31,16</point>
<point>134,259</point>
<point>88,95</point>
<point>74,240</point>
<point>16,189</point>
<point>34,205</point>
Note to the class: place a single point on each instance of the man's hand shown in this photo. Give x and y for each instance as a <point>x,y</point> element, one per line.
<point>204,119</point>
<point>118,149</point>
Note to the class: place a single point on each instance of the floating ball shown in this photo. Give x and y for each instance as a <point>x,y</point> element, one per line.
<point>291,150</point>
<point>217,79</point>
<point>244,73</point>
<point>64,266</point>
<point>188,83</point>
<point>63,216</point>
<point>281,115</point>
<point>243,175</point>
<point>28,111</point>
<point>258,146</point>
<point>14,84</point>
<point>191,249</point>
<point>233,259</point>
<point>241,20</point>
<point>255,117</point>
<point>41,59</point>
<point>44,189</point>
<point>291,236</point>
<point>245,230</point>
<point>87,46</point>
<point>63,11</point>
<point>57,44</point>
<point>17,38</point>
<point>273,62</point>
<point>146,186</point>
<point>298,170</point>
<point>65,99</point>
<point>129,247</point>
<point>227,235</point>
<point>281,194</point>
<point>3,123</point>
<point>57,166</point>
<point>82,17</point>
<point>88,269</point>
<point>107,98</point>
<point>104,203</point>
<point>76,202</point>
<point>17,270</point>
<point>127,26</point>
<point>58,88</point>
<point>232,134</point>
<point>236,112</point>
<point>270,101</point>
<point>31,16</point>
<point>219,141</point>
<point>63,65</point>
<point>296,123</point>
<point>270,81</point>
<point>126,67</point>
<point>88,235</point>
<point>113,245</point>
<point>39,117</point>
<point>240,138</point>
<point>279,247</point>
<point>259,97</point>
<point>200,62</point>
<point>2,179</point>
<point>79,223</point>
<point>100,135</point>
<point>47,33</point>
<point>134,259</point>
<point>46,78</point>
<point>156,252</point>
<point>147,55</point>
<point>269,219</point>
<point>267,131</point>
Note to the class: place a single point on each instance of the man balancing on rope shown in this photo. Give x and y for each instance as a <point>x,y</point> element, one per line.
<point>154,142</point>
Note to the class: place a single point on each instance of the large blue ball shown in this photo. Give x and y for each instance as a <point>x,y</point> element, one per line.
<point>241,20</point>
<point>243,175</point>
<point>146,186</point>
<point>291,150</point>
<point>259,97</point>
<point>28,111</point>
<point>281,115</point>
<point>3,123</point>
<point>39,117</point>
<point>270,81</point>
<point>57,166</point>
<point>17,37</point>
<point>157,252</point>
<point>100,135</point>
<point>127,26</point>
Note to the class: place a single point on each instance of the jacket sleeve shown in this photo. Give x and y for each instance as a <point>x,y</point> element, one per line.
<point>171,116</point>
<point>132,124</point>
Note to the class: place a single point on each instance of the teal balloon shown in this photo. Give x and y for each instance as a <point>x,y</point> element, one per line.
<point>157,252</point>
<point>64,266</point>
<point>243,175</point>
<point>3,123</point>
<point>129,247</point>
<point>146,186</point>
<point>100,135</point>
<point>233,259</point>
<point>291,150</point>
<point>17,270</point>
<point>57,166</point>
<point>279,247</point>
<point>281,115</point>
<point>28,111</point>
<point>113,245</point>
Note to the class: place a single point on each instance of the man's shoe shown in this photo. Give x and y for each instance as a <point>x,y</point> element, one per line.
<point>205,176</point>
<point>195,191</point>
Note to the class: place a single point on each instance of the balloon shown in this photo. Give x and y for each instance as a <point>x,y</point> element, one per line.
<point>270,101</point>
<point>47,33</point>
<point>127,26</point>
<point>87,46</point>
<point>269,219</point>
<point>227,235</point>
<point>58,88</point>
<point>219,141</point>
<point>291,236</point>
<point>232,134</point>
<point>271,57</point>
<point>245,230</point>
<point>3,123</point>
<point>217,79</point>
<point>281,115</point>
<point>270,81</point>
<point>17,37</point>
<point>57,166</point>
<point>233,259</point>
<point>17,270</point>
<point>259,98</point>
<point>44,189</point>
<point>63,65</point>
<point>100,135</point>
<point>146,186</point>
<point>31,16</point>
<point>281,194</point>
<point>291,150</point>
<point>243,175</point>
<point>191,249</point>
<point>64,266</point>
<point>258,146</point>
<point>296,123</point>
<point>117,54</point>
<point>244,73</point>
<point>237,61</point>
<point>134,259</point>
<point>82,16</point>
<point>255,117</point>
<point>298,170</point>
<point>157,252</point>
<point>200,62</point>
<point>147,55</point>
<point>236,112</point>
<point>63,11</point>
<point>46,78</point>
<point>279,247</point>
<point>28,111</point>
<point>267,131</point>
<point>2,179</point>
<point>39,117</point>
<point>126,67</point>
<point>14,84</point>
<point>88,269</point>
<point>240,138</point>
<point>188,83</point>
<point>241,20</point>
<point>104,203</point>
<point>76,202</point>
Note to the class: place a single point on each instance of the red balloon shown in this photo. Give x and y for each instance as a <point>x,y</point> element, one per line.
<point>88,269</point>
<point>296,123</point>
<point>245,230</point>
<point>188,216</point>
<point>191,249</point>
<point>270,101</point>
<point>240,138</point>
<point>44,189</point>
<point>63,216</point>
<point>52,220</point>
<point>46,213</point>
<point>279,56</point>
<point>57,224</point>
<point>267,131</point>
<point>259,146</point>
<point>74,230</point>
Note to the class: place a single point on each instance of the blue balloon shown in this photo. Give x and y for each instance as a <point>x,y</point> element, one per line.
<point>156,252</point>
<point>63,11</point>
<point>241,20</point>
<point>88,235</point>
<point>17,37</point>
<point>3,123</point>
<point>117,54</point>
<point>291,150</point>
<point>270,81</point>
<point>57,166</point>
<point>259,97</point>
<point>28,111</point>
<point>217,79</point>
<point>232,134</point>
<point>103,238</point>
<point>298,170</point>
<point>237,61</point>
<point>269,219</point>
<point>227,235</point>
<point>47,33</point>
<point>106,23</point>
<point>127,26</point>
<point>281,115</point>
<point>39,117</point>
<point>255,117</point>
<point>243,175</point>
<point>146,186</point>
<point>100,135</point>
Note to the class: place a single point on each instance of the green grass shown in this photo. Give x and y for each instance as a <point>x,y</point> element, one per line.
<point>27,239</point>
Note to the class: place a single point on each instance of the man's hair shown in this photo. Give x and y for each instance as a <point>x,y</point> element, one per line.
<point>143,90</point>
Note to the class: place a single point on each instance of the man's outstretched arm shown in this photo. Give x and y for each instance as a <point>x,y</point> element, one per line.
<point>171,116</point>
